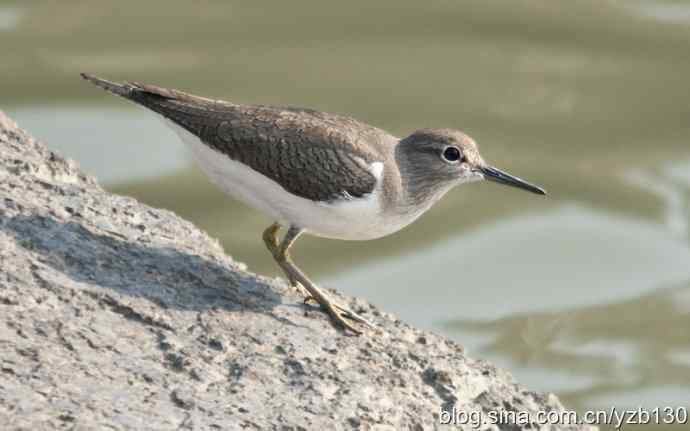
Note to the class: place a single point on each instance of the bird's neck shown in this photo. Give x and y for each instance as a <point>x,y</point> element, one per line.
<point>417,191</point>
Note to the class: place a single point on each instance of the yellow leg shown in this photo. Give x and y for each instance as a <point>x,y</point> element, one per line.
<point>270,237</point>
<point>282,256</point>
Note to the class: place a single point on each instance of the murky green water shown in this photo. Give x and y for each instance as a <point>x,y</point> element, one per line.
<point>586,293</point>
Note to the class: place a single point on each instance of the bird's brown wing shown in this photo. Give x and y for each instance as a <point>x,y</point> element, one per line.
<point>312,154</point>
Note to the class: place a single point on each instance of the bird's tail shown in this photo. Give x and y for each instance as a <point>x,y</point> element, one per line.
<point>125,90</point>
<point>145,93</point>
<point>181,108</point>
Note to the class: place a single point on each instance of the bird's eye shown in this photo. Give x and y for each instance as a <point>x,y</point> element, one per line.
<point>452,154</point>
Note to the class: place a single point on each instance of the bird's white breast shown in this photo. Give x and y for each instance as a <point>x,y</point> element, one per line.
<point>350,218</point>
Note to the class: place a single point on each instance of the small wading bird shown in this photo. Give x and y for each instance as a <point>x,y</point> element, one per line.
<point>312,172</point>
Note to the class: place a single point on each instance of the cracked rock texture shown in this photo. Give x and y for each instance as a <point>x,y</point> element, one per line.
<point>115,315</point>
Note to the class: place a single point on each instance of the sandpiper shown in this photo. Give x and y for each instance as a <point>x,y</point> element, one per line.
<point>318,173</point>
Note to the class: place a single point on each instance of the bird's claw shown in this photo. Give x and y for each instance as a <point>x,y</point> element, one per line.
<point>339,312</point>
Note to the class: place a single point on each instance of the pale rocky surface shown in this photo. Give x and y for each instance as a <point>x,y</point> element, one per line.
<point>115,315</point>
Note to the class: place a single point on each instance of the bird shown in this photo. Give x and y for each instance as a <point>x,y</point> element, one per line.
<point>317,173</point>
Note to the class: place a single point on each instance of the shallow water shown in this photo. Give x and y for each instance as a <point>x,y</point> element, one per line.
<point>585,293</point>
<point>10,17</point>
<point>670,11</point>
<point>122,136</point>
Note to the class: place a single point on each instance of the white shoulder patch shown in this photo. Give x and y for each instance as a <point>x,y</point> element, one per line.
<point>376,169</point>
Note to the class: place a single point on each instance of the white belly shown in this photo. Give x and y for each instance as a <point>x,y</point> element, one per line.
<point>350,219</point>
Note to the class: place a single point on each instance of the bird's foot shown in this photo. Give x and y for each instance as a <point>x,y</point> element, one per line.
<point>308,298</point>
<point>338,312</point>
<point>300,289</point>
<point>347,312</point>
<point>296,277</point>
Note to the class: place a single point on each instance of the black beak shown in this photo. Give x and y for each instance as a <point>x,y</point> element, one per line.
<point>493,174</point>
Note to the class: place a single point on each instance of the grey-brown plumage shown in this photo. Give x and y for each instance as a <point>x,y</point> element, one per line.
<point>314,155</point>
<point>326,174</point>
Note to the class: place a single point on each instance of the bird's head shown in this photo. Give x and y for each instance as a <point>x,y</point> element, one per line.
<point>437,159</point>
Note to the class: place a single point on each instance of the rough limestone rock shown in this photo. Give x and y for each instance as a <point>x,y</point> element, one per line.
<point>115,315</point>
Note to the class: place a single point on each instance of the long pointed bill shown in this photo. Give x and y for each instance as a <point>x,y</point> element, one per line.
<point>497,175</point>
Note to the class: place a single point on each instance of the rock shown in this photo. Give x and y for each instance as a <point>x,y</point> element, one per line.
<point>120,316</point>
